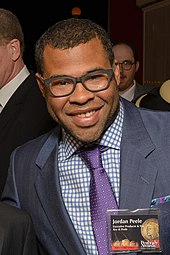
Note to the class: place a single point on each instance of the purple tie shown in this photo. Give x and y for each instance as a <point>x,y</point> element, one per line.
<point>101,197</point>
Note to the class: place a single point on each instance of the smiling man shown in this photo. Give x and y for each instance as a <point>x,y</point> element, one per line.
<point>52,177</point>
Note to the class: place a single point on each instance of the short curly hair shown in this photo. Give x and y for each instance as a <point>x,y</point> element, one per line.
<point>70,33</point>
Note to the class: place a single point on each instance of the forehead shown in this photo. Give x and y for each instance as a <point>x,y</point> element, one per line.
<point>81,58</point>
<point>123,52</point>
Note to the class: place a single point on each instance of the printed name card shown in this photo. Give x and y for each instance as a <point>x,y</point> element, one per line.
<point>131,231</point>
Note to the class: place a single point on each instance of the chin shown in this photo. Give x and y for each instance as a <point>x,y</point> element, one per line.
<point>88,137</point>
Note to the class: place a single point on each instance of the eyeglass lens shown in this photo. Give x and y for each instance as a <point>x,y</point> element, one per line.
<point>126,64</point>
<point>65,85</point>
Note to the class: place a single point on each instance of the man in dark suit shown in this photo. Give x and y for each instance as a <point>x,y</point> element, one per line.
<point>17,236</point>
<point>126,56</point>
<point>23,109</point>
<point>47,176</point>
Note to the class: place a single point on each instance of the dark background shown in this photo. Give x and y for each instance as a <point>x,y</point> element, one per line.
<point>126,24</point>
<point>36,19</point>
<point>122,19</point>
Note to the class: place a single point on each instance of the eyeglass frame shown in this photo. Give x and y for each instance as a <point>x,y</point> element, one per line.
<point>128,61</point>
<point>76,80</point>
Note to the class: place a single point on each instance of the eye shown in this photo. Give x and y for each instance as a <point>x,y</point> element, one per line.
<point>96,76</point>
<point>127,62</point>
<point>61,82</point>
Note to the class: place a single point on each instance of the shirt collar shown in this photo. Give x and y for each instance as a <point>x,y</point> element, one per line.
<point>129,94</point>
<point>8,90</point>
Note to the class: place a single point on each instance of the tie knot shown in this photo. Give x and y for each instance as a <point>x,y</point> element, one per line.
<point>92,157</point>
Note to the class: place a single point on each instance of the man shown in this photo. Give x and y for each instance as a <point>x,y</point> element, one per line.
<point>48,176</point>
<point>17,234</point>
<point>126,56</point>
<point>23,110</point>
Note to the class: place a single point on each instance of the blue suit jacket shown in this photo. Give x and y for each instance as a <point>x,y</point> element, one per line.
<point>33,179</point>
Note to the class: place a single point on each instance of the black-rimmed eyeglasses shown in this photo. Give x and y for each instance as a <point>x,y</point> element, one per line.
<point>94,81</point>
<point>126,64</point>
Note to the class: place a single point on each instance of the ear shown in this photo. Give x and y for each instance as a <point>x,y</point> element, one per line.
<point>14,49</point>
<point>116,70</point>
<point>40,84</point>
<point>137,65</point>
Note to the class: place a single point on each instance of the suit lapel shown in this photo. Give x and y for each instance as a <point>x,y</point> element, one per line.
<point>49,193</point>
<point>137,179</point>
<point>15,101</point>
<point>9,112</point>
<point>137,169</point>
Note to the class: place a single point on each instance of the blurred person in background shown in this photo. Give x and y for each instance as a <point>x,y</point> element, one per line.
<point>23,112</point>
<point>126,56</point>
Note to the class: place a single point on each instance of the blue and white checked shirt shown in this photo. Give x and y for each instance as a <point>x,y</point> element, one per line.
<point>75,179</point>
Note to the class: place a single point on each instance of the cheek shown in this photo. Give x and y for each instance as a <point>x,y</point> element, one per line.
<point>56,104</point>
<point>111,93</point>
<point>55,107</point>
<point>131,74</point>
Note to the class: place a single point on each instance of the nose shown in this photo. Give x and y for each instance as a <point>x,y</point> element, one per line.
<point>81,95</point>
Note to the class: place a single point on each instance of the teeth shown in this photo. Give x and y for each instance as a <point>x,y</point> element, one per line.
<point>87,114</point>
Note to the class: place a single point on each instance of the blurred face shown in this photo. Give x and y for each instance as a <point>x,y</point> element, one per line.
<point>9,53</point>
<point>84,114</point>
<point>123,52</point>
